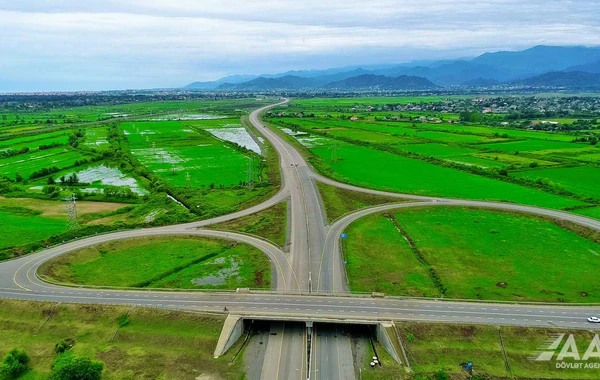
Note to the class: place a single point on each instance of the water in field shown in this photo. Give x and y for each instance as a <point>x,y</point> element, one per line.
<point>220,277</point>
<point>307,140</point>
<point>188,117</point>
<point>238,136</point>
<point>109,177</point>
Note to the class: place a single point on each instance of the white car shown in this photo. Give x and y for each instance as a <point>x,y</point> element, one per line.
<point>594,319</point>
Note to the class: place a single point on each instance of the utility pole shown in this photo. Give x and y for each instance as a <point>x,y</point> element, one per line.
<point>334,151</point>
<point>72,211</point>
<point>187,179</point>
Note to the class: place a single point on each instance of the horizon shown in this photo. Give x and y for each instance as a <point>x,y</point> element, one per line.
<point>63,46</point>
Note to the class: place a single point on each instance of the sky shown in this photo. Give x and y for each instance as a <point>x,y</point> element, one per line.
<point>64,45</point>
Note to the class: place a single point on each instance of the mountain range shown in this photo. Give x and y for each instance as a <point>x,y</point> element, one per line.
<point>540,66</point>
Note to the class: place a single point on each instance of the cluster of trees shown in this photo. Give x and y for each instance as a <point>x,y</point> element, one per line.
<point>66,366</point>
<point>44,172</point>
<point>70,180</point>
<point>11,152</point>
<point>74,138</point>
<point>50,146</point>
<point>593,140</point>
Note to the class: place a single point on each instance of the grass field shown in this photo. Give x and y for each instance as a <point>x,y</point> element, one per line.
<point>532,145</point>
<point>156,344</point>
<point>338,202</point>
<point>433,347</point>
<point>382,170</point>
<point>463,249</point>
<point>594,212</point>
<point>269,224</point>
<point>164,262</point>
<point>584,180</point>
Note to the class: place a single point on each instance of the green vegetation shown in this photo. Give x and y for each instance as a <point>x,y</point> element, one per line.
<point>14,364</point>
<point>269,224</point>
<point>457,252</point>
<point>338,202</point>
<point>138,154</point>
<point>71,367</point>
<point>163,262</point>
<point>400,144</point>
<point>155,343</point>
<point>583,180</point>
<point>443,347</point>
<point>386,171</point>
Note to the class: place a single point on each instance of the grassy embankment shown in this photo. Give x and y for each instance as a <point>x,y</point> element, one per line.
<point>154,343</point>
<point>164,262</point>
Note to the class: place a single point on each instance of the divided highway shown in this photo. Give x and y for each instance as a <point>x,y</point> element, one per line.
<point>309,280</point>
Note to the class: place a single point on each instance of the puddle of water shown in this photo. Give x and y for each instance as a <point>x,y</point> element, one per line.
<point>239,136</point>
<point>108,176</point>
<point>221,277</point>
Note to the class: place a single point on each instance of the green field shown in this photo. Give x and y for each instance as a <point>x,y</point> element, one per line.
<point>462,251</point>
<point>338,202</point>
<point>164,262</point>
<point>155,344</point>
<point>269,224</point>
<point>169,147</point>
<point>382,170</point>
<point>584,180</point>
<point>532,146</point>
<point>22,225</point>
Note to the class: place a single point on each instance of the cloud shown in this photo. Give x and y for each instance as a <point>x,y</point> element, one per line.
<point>155,43</point>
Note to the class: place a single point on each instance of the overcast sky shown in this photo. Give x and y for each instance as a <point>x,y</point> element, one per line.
<point>118,44</point>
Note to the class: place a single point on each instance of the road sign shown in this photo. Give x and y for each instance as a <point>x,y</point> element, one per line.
<point>344,236</point>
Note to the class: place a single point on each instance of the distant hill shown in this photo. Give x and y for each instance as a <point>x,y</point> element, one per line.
<point>370,81</point>
<point>540,59</point>
<point>593,67</point>
<point>503,66</point>
<point>258,84</point>
<point>481,82</point>
<point>571,79</point>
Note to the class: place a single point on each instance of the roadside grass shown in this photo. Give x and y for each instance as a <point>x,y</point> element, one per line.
<point>593,212</point>
<point>155,344</point>
<point>476,254</point>
<point>378,259</point>
<point>269,224</point>
<point>584,180</point>
<point>159,261</point>
<point>446,346</point>
<point>338,202</point>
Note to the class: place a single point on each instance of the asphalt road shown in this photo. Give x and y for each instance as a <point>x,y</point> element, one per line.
<point>313,266</point>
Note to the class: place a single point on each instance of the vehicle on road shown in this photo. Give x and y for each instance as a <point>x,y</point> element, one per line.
<point>594,320</point>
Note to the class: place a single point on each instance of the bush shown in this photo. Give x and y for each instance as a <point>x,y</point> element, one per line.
<point>72,367</point>
<point>14,364</point>
<point>64,345</point>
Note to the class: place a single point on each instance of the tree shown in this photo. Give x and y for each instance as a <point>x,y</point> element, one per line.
<point>72,367</point>
<point>14,364</point>
<point>51,181</point>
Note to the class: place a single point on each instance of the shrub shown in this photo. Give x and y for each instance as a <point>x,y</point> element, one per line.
<point>14,364</point>
<point>71,367</point>
<point>64,345</point>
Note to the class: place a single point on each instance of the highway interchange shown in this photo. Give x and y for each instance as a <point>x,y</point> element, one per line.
<point>309,281</point>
